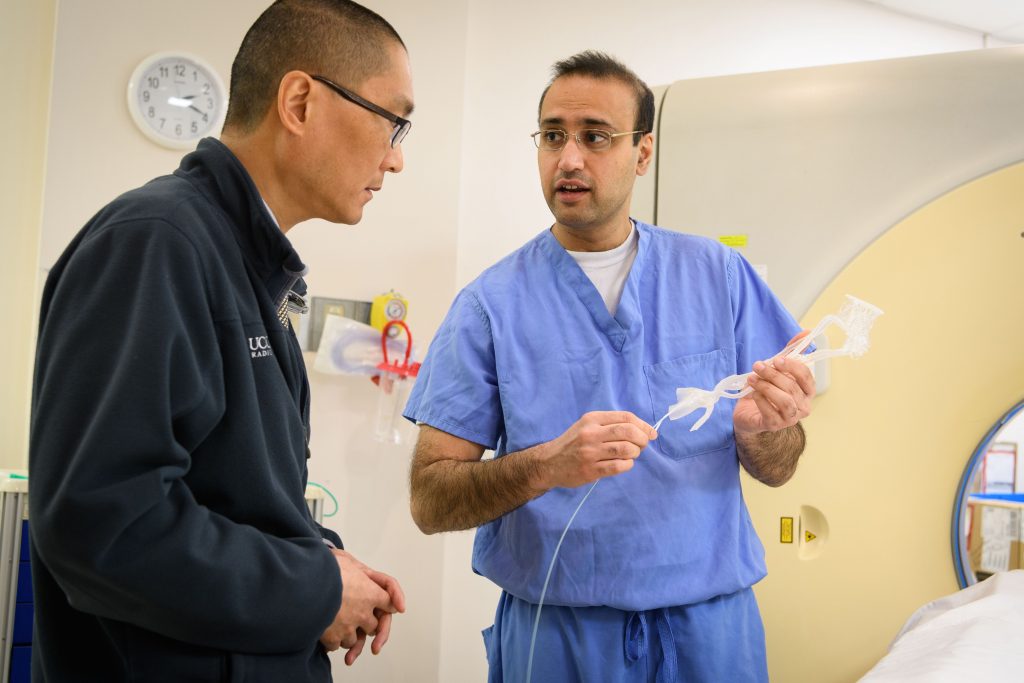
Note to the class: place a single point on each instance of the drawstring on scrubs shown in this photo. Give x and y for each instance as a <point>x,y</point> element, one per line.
<point>637,643</point>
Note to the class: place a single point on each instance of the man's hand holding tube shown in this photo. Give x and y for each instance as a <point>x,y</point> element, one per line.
<point>783,391</point>
<point>766,422</point>
<point>600,444</point>
<point>368,600</point>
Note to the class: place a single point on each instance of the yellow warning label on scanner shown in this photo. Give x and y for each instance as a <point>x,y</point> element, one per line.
<point>785,529</point>
<point>808,537</point>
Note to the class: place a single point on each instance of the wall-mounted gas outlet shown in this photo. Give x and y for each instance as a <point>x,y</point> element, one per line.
<point>319,308</point>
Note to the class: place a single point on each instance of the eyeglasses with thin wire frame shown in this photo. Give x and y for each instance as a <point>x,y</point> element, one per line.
<point>591,139</point>
<point>401,126</point>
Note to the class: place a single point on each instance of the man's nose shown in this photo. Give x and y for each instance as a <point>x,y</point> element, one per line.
<point>394,160</point>
<point>570,158</point>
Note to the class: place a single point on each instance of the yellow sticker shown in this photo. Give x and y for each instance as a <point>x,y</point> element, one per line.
<point>808,537</point>
<point>785,529</point>
<point>733,240</point>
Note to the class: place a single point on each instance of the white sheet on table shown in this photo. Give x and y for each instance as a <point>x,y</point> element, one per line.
<point>976,634</point>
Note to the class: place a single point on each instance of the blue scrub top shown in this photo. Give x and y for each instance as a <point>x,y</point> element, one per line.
<point>529,347</point>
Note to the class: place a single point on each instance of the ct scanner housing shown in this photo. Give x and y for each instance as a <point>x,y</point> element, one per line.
<point>899,182</point>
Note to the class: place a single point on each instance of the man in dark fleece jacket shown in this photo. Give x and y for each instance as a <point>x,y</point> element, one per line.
<point>170,536</point>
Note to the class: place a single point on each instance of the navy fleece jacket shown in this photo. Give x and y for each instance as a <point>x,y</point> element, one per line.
<point>170,536</point>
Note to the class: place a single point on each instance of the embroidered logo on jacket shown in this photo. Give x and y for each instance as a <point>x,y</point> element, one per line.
<point>259,347</point>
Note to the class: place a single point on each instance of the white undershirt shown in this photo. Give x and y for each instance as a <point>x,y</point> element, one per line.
<point>608,270</point>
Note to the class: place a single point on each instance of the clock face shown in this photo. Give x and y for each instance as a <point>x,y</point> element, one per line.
<point>175,99</point>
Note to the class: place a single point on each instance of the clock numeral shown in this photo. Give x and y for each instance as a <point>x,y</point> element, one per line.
<point>209,103</point>
<point>206,118</point>
<point>152,112</point>
<point>164,72</point>
<point>177,129</point>
<point>206,88</point>
<point>162,122</point>
<point>153,82</point>
<point>194,127</point>
<point>145,96</point>
<point>179,70</point>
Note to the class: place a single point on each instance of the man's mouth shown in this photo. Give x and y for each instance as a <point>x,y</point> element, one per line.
<point>570,188</point>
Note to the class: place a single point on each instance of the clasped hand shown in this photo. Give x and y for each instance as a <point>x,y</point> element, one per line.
<point>368,600</point>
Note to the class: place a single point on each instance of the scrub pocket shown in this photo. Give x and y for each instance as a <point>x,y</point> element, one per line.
<point>703,370</point>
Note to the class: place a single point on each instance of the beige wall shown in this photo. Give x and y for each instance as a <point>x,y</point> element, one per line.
<point>26,40</point>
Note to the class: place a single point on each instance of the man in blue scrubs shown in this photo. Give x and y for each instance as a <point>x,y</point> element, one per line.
<point>559,358</point>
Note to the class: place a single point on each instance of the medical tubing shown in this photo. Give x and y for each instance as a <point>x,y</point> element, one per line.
<point>544,590</point>
<point>794,351</point>
<point>329,495</point>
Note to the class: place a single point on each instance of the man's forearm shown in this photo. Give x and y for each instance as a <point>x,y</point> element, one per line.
<point>771,457</point>
<point>451,495</point>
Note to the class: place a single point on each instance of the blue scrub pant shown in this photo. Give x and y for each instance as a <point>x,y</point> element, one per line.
<point>719,640</point>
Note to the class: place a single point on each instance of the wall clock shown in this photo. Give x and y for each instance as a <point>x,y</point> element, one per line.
<point>176,98</point>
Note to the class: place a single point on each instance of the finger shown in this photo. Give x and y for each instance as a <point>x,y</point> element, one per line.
<point>772,376</point>
<point>610,417</point>
<point>777,408</point>
<point>383,633</point>
<point>620,450</point>
<point>788,397</point>
<point>610,468</point>
<point>389,584</point>
<point>634,434</point>
<point>348,638</point>
<point>646,429</point>
<point>368,624</point>
<point>800,372</point>
<point>355,650</point>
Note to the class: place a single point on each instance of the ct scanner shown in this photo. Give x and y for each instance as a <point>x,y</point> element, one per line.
<point>900,182</point>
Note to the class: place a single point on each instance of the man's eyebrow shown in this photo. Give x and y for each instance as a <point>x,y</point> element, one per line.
<point>555,120</point>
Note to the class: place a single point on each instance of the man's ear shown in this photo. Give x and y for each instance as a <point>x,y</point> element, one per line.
<point>643,161</point>
<point>294,101</point>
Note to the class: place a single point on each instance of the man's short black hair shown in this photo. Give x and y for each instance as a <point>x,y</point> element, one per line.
<point>600,65</point>
<point>339,39</point>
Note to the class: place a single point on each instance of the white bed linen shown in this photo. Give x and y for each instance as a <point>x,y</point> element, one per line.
<point>976,635</point>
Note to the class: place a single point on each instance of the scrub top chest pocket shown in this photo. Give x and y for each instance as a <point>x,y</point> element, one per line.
<point>702,370</point>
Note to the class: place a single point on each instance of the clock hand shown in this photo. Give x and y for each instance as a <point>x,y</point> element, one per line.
<point>195,109</point>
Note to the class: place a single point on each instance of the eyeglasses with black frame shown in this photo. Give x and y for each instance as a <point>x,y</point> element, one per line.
<point>401,126</point>
<point>591,139</point>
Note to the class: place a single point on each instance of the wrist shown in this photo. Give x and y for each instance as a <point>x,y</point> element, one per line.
<point>538,471</point>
